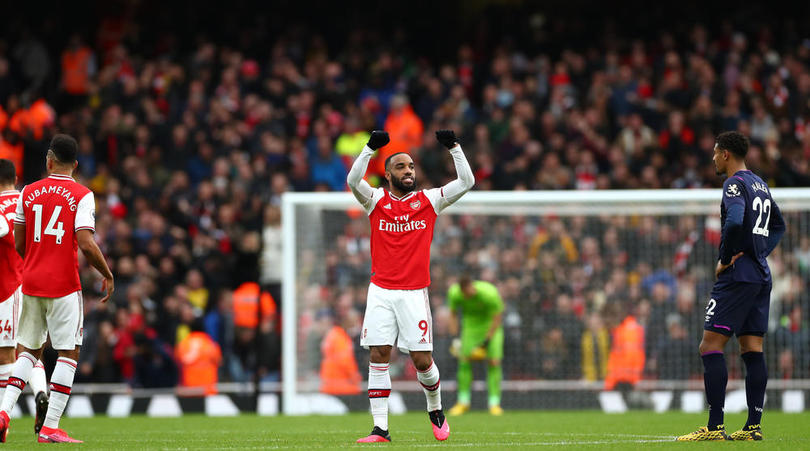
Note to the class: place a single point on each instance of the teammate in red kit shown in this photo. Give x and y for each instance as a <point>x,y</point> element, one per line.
<point>398,307</point>
<point>10,294</point>
<point>55,217</point>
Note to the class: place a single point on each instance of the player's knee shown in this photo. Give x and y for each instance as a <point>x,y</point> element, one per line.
<point>7,355</point>
<point>707,346</point>
<point>380,354</point>
<point>494,362</point>
<point>750,346</point>
<point>421,360</point>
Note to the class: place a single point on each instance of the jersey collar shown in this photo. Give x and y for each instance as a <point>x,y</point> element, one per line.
<point>412,193</point>
<point>60,177</point>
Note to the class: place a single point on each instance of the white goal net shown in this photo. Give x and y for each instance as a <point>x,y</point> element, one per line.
<point>569,266</point>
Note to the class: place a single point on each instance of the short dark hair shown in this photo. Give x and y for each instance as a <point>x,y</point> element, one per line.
<point>8,174</point>
<point>65,148</point>
<point>388,160</point>
<point>734,142</point>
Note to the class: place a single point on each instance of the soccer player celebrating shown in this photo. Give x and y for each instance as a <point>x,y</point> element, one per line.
<point>481,333</point>
<point>55,217</point>
<point>10,293</point>
<point>398,308</point>
<point>752,227</point>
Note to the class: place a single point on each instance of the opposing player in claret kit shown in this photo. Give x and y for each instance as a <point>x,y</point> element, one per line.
<point>398,308</point>
<point>55,217</point>
<point>752,226</point>
<point>11,294</point>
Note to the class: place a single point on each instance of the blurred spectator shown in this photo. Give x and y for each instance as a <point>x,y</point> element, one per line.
<point>405,129</point>
<point>339,372</point>
<point>154,365</point>
<point>669,350</point>
<point>199,358</point>
<point>626,360</point>
<point>78,67</point>
<point>595,349</point>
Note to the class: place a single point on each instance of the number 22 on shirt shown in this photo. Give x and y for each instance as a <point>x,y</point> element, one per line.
<point>763,207</point>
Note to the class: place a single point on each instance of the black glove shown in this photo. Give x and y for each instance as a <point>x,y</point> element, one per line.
<point>378,139</point>
<point>447,138</point>
<point>485,344</point>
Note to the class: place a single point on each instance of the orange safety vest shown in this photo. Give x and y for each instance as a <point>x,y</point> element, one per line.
<point>13,152</point>
<point>40,116</point>
<point>626,360</point>
<point>246,305</point>
<point>405,130</point>
<point>339,373</point>
<point>199,357</point>
<point>74,70</point>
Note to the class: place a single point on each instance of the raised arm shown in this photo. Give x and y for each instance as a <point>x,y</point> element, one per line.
<point>465,180</point>
<point>362,191</point>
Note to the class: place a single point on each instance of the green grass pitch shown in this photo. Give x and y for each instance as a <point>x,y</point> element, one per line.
<point>532,429</point>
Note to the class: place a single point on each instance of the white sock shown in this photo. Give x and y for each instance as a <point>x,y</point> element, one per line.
<point>61,383</point>
<point>431,384</point>
<point>379,388</point>
<point>5,372</point>
<point>16,382</point>
<point>37,381</point>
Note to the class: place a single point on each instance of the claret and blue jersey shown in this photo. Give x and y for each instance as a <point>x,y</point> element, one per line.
<point>752,224</point>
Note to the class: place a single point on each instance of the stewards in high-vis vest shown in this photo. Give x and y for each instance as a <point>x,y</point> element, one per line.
<point>199,358</point>
<point>339,372</point>
<point>246,305</point>
<point>626,360</point>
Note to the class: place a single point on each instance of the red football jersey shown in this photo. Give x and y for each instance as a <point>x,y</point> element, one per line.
<point>10,261</point>
<point>401,234</point>
<point>53,209</point>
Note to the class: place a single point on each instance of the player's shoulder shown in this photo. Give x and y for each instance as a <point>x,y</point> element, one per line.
<point>10,195</point>
<point>485,286</point>
<point>78,187</point>
<point>734,186</point>
<point>454,290</point>
<point>432,194</point>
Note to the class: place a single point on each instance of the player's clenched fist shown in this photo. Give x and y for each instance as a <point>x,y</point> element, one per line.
<point>447,138</point>
<point>378,139</point>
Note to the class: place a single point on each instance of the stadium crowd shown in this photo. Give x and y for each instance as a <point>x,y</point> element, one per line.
<point>189,152</point>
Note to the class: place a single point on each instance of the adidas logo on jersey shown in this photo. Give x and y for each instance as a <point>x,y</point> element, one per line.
<point>387,206</point>
<point>422,341</point>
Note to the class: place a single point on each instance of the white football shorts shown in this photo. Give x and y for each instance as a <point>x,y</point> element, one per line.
<point>401,315</point>
<point>62,317</point>
<point>10,319</point>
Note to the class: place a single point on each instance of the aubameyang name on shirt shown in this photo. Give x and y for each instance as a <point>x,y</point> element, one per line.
<point>402,224</point>
<point>756,186</point>
<point>53,189</point>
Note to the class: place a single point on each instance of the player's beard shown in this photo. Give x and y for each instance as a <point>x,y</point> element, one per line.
<point>403,187</point>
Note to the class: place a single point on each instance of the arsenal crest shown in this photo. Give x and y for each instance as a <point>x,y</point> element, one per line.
<point>416,204</point>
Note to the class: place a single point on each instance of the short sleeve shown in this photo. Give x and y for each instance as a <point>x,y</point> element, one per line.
<point>86,213</point>
<point>733,192</point>
<point>493,299</point>
<point>437,199</point>
<point>19,217</point>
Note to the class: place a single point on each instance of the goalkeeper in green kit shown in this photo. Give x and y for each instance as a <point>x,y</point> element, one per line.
<point>481,309</point>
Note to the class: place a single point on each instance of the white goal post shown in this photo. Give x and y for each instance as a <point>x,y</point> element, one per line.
<point>298,228</point>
